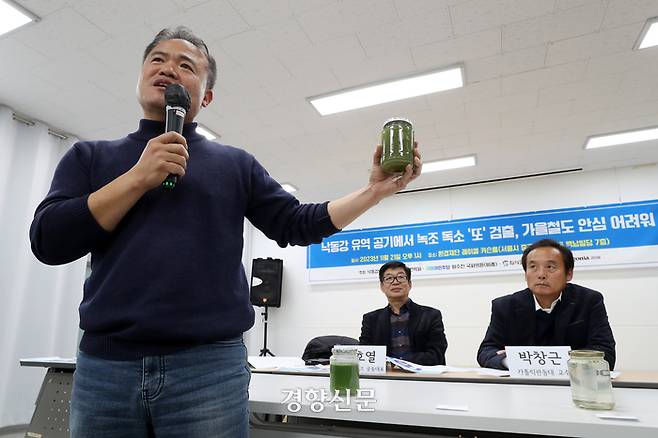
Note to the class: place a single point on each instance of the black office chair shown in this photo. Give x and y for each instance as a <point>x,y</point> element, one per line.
<point>318,350</point>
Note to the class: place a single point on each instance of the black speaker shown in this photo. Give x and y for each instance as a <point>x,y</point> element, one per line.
<point>270,272</point>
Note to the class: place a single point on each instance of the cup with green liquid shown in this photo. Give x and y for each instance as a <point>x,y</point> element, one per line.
<point>397,145</point>
<point>344,370</point>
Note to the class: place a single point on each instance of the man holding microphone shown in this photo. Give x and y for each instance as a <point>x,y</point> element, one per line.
<point>167,301</point>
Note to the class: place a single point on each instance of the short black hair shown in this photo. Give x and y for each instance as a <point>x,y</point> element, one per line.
<point>567,255</point>
<point>394,265</point>
<point>184,33</point>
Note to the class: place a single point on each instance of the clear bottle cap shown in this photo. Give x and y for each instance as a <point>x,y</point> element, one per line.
<point>344,349</point>
<point>397,119</point>
<point>586,354</point>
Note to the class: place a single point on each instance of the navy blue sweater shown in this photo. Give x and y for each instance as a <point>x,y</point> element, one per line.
<point>170,275</point>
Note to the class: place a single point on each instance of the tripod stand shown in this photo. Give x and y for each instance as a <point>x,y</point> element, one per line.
<point>265,351</point>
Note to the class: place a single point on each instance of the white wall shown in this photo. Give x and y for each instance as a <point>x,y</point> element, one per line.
<point>631,295</point>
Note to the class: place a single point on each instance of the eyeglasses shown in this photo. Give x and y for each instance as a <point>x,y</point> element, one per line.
<point>401,278</point>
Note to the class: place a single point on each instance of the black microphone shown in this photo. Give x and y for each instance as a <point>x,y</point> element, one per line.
<point>177,100</point>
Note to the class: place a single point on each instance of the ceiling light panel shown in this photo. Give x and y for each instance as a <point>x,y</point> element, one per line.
<point>200,129</point>
<point>391,91</point>
<point>289,187</point>
<point>602,141</point>
<point>649,35</point>
<point>13,16</point>
<point>453,163</point>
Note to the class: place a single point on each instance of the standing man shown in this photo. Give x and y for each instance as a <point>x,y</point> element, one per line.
<point>410,331</point>
<point>167,301</point>
<point>550,311</point>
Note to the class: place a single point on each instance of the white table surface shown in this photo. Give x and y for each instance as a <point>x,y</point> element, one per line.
<point>532,409</point>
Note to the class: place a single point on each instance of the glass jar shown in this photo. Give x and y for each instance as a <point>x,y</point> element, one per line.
<point>589,375</point>
<point>397,145</point>
<point>344,370</point>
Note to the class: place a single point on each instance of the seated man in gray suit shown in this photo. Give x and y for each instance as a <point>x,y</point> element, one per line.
<point>410,331</point>
<point>550,311</point>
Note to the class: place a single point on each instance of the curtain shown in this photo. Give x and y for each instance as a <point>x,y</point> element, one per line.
<point>38,303</point>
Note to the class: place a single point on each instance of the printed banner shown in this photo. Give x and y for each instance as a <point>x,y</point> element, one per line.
<point>603,236</point>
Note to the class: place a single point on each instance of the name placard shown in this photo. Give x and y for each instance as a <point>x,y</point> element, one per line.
<point>372,358</point>
<point>538,362</point>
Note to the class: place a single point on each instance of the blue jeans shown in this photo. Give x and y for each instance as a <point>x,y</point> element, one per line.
<point>199,392</point>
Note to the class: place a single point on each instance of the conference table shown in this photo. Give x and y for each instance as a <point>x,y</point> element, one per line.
<point>401,404</point>
<point>455,404</point>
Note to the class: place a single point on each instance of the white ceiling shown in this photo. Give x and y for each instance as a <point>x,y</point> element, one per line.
<point>541,75</point>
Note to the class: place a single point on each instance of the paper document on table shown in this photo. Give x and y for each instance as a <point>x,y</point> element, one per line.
<point>276,362</point>
<point>415,368</point>
<point>493,372</point>
<point>306,369</point>
<point>440,369</point>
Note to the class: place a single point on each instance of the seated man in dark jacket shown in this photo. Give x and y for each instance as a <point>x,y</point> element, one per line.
<point>410,331</point>
<point>549,311</point>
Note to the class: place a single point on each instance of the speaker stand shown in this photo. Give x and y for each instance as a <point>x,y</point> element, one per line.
<point>265,351</point>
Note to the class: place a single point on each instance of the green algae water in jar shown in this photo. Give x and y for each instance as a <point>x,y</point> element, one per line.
<point>589,376</point>
<point>397,145</point>
<point>344,370</point>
